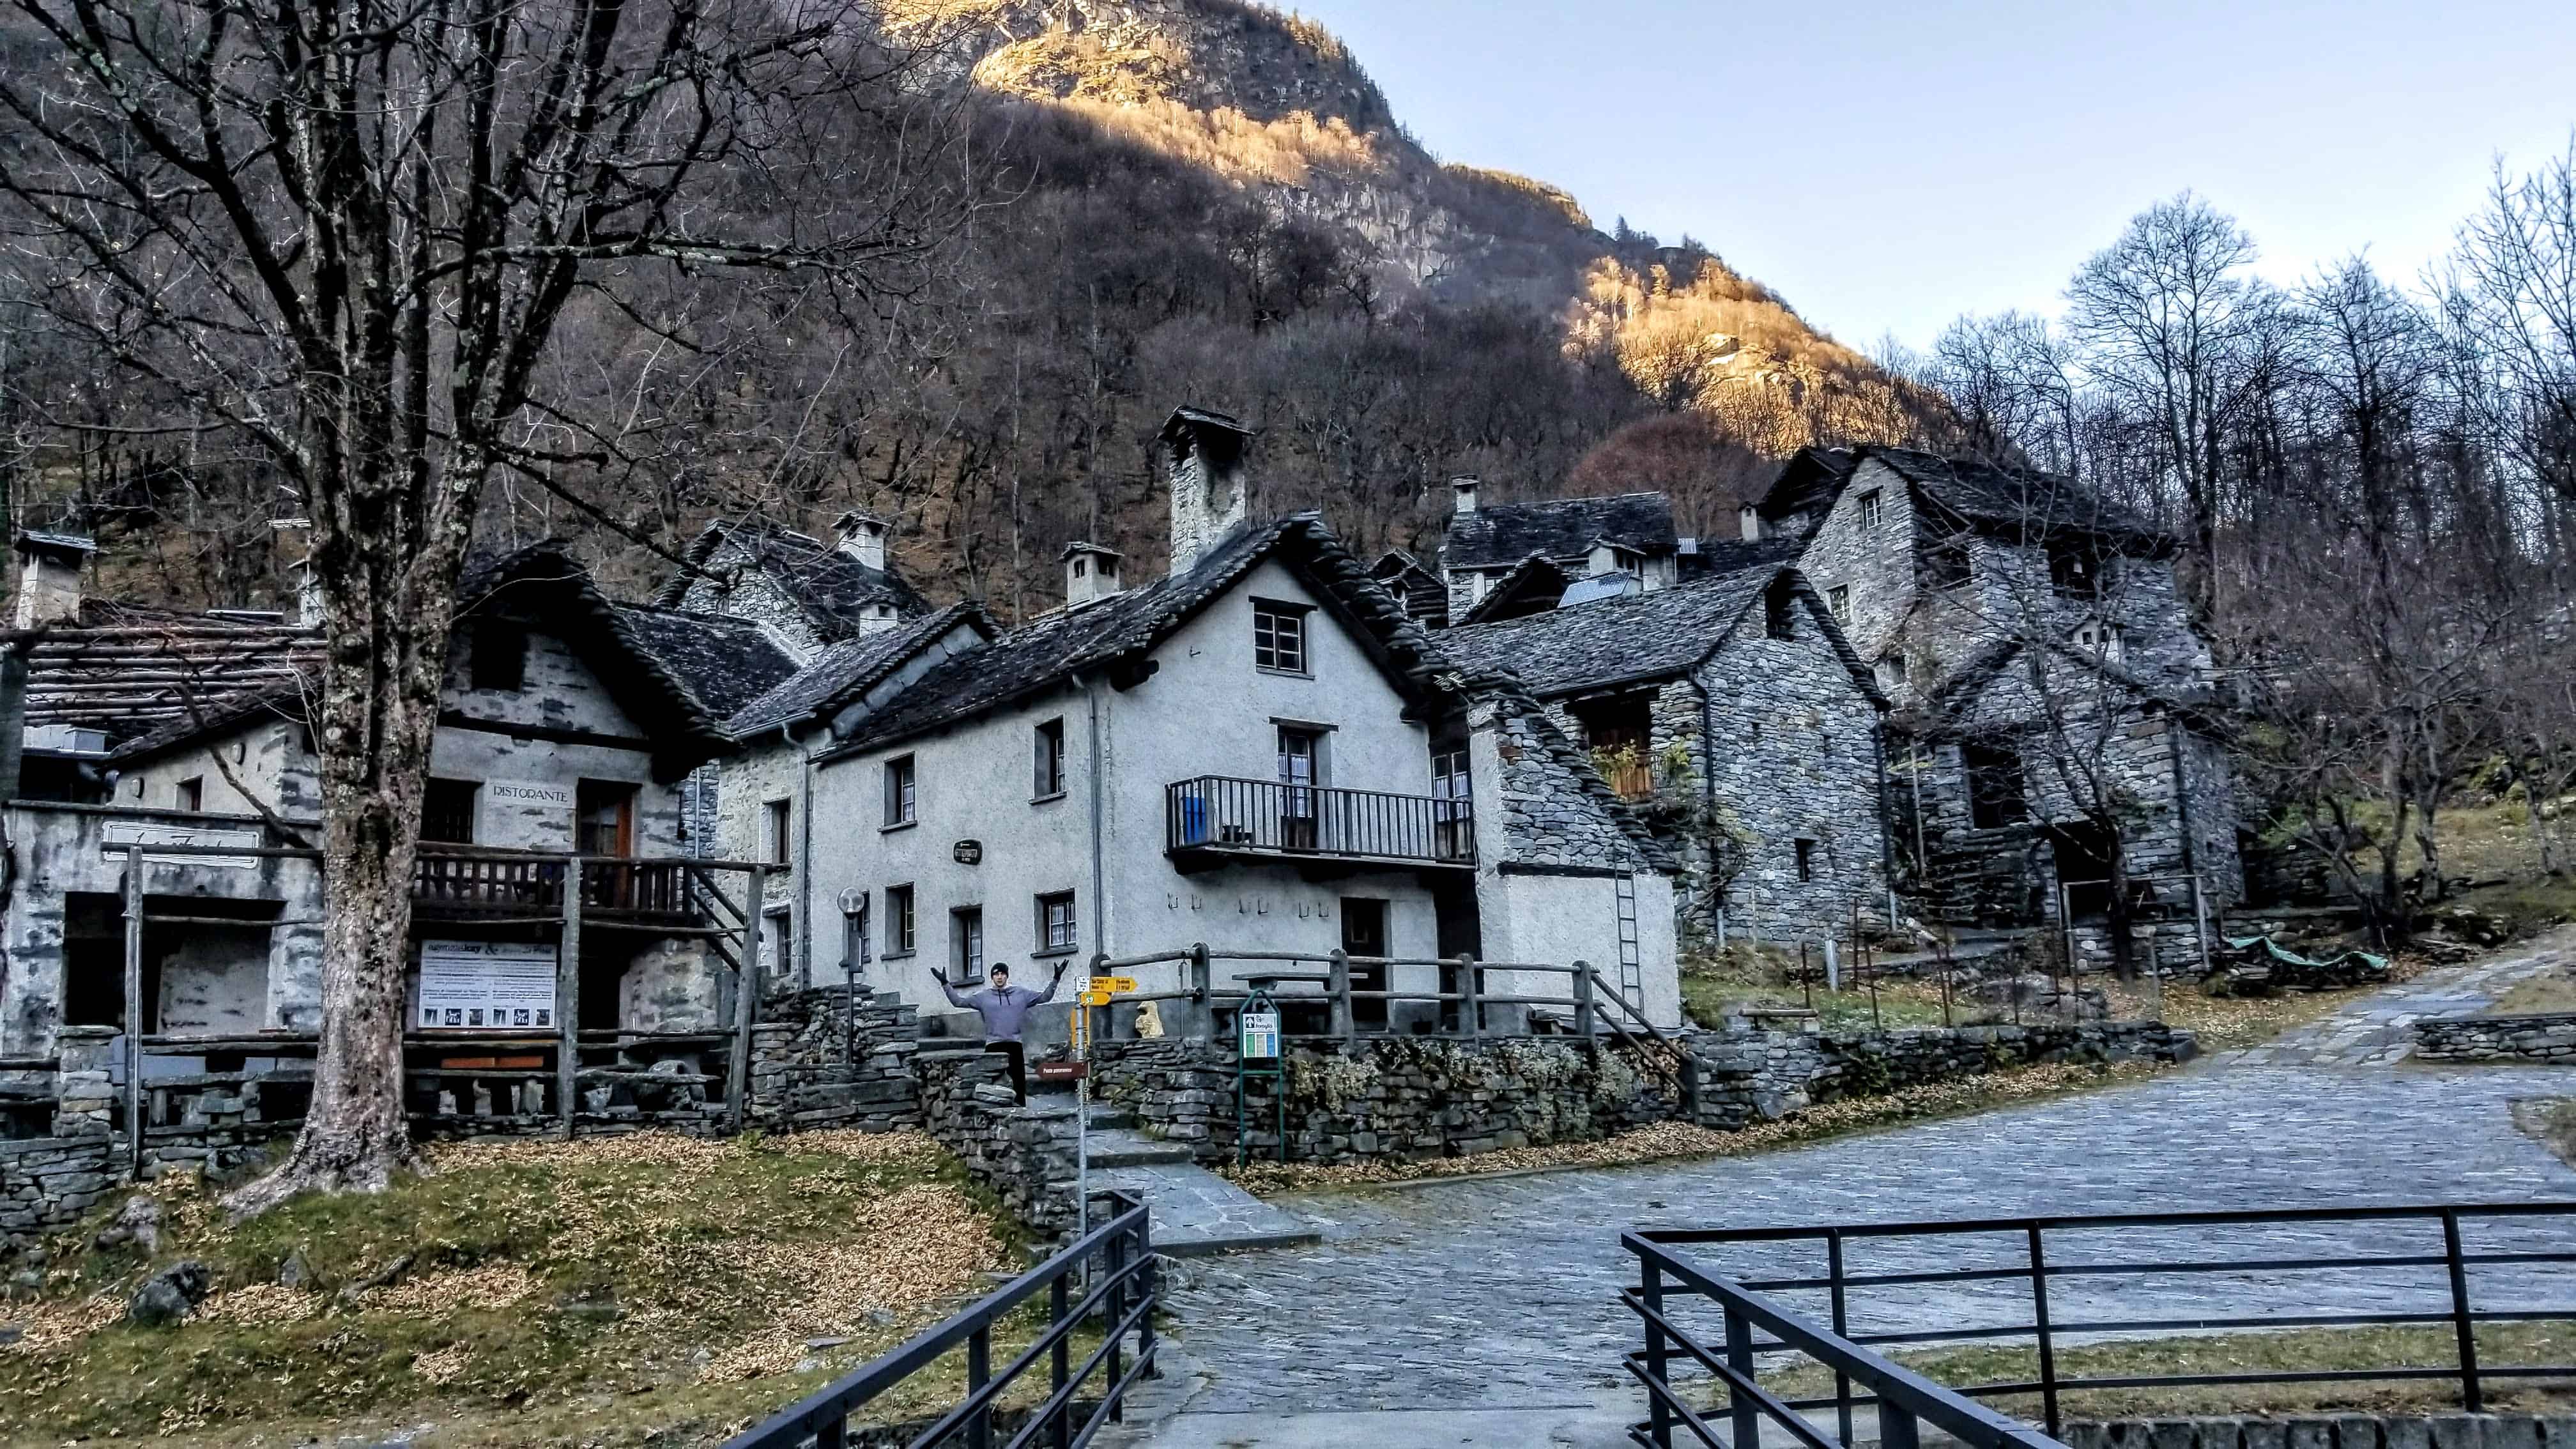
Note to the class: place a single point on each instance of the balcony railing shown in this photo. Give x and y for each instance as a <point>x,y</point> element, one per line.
<point>503,885</point>
<point>1214,816</point>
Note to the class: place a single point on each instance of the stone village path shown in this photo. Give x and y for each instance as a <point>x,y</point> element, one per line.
<point>1500,1295</point>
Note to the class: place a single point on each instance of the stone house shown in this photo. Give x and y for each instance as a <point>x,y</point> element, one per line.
<point>1260,751</point>
<point>1732,709</point>
<point>2049,684</point>
<point>566,725</point>
<point>1557,542</point>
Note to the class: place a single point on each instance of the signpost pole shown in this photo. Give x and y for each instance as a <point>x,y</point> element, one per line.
<point>568,1000</point>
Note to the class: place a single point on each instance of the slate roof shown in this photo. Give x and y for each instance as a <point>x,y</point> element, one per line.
<point>1635,639</point>
<point>132,671</point>
<point>1117,632</point>
<point>848,669</point>
<point>2017,498</point>
<point>1810,479</point>
<point>1425,594</point>
<point>1501,534</point>
<point>545,584</point>
<point>1727,555</point>
<point>834,590</point>
<point>725,662</point>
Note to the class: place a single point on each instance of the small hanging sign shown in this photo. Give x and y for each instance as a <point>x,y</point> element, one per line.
<point>968,852</point>
<point>1260,1035</point>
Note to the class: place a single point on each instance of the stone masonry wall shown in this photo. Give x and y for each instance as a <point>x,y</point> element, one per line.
<point>1759,1076</point>
<point>1399,1099</point>
<point>805,1071</point>
<point>1025,1155</point>
<point>1407,1100</point>
<point>2537,1037</point>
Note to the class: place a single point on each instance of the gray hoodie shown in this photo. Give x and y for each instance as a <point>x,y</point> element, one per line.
<point>1003,1008</point>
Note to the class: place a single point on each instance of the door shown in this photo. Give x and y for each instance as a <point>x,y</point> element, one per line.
<point>1299,752</point>
<point>1364,934</point>
<point>604,824</point>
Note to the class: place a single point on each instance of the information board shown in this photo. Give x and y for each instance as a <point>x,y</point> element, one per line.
<point>120,833</point>
<point>1260,1035</point>
<point>483,985</point>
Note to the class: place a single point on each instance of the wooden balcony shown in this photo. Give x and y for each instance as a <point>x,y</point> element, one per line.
<point>493,885</point>
<point>1215,820</point>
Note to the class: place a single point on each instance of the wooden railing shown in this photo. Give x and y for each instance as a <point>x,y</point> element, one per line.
<point>503,885</point>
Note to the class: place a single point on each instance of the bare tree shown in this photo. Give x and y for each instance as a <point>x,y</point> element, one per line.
<point>2174,325</point>
<point>350,234</point>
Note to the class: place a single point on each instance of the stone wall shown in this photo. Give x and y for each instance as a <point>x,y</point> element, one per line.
<point>2541,1037</point>
<point>1752,1075</point>
<point>1391,1099</point>
<point>1025,1155</point>
<point>812,1066</point>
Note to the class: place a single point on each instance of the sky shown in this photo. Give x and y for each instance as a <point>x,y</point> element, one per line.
<point>1887,165</point>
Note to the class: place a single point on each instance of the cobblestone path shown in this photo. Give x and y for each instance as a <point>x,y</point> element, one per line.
<point>1502,1292</point>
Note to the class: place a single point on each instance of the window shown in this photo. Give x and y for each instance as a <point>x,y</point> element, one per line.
<point>1776,620</point>
<point>1620,734</point>
<point>1453,804</point>
<point>497,655</point>
<point>447,812</point>
<point>854,931</point>
<point>1838,599</point>
<point>900,940</point>
<point>1946,563</point>
<point>1050,760</point>
<point>1806,859</point>
<point>1869,508</point>
<point>192,793</point>
<point>966,944</point>
<point>1994,786</point>
<point>781,940</point>
<point>604,818</point>
<point>1279,637</point>
<point>2074,573</point>
<point>778,819</point>
<point>899,802</point>
<point>1056,931</point>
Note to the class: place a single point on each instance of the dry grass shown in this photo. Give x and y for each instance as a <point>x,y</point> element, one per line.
<point>1675,1140</point>
<point>2286,1351</point>
<point>618,1291</point>
<point>2553,990</point>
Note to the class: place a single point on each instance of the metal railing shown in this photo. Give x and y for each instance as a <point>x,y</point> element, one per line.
<point>1219,815</point>
<point>1104,1283</point>
<point>2076,1279</point>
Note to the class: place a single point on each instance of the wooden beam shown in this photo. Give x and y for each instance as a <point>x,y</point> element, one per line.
<point>568,1002</point>
<point>746,1001</point>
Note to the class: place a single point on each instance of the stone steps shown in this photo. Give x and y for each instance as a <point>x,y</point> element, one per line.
<point>1119,1147</point>
<point>1196,1213</point>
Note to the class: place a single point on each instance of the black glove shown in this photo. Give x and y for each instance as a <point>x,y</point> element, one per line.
<point>1059,969</point>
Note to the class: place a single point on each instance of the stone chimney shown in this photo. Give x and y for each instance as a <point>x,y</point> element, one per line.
<point>862,536</point>
<point>1750,522</point>
<point>1463,488</point>
<point>1090,573</point>
<point>49,577</point>
<point>1209,490</point>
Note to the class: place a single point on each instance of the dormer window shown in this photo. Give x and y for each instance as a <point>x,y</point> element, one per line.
<point>2098,639</point>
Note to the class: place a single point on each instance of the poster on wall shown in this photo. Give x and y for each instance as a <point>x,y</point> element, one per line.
<point>482,985</point>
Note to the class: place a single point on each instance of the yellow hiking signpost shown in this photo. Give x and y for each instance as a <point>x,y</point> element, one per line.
<point>1097,991</point>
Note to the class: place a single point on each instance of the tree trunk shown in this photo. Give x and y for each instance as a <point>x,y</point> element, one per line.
<point>376,717</point>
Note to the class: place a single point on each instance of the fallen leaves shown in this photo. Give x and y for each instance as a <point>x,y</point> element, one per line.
<point>260,1303</point>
